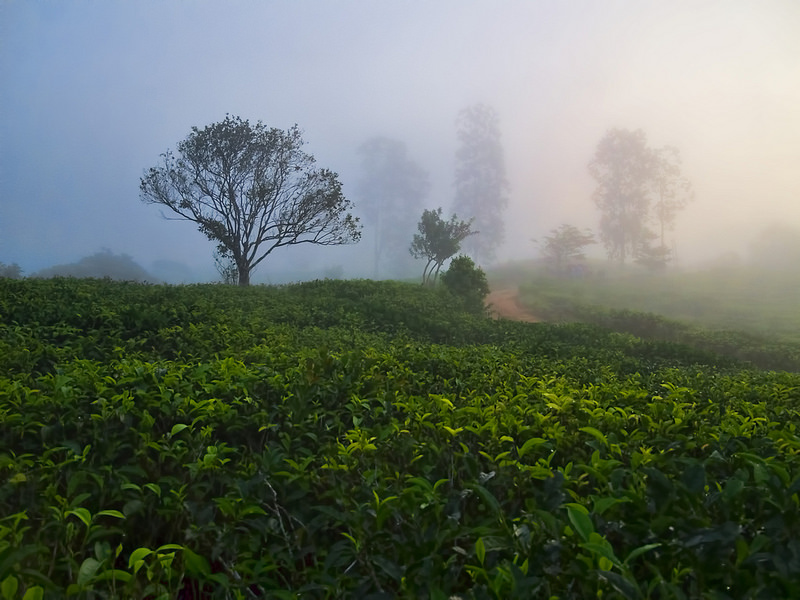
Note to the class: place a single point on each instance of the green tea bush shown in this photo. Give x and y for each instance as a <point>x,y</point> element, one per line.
<point>366,439</point>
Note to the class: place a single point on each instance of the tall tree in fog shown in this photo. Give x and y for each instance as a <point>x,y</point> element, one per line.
<point>623,168</point>
<point>637,186</point>
<point>671,190</point>
<point>251,190</point>
<point>481,185</point>
<point>391,192</point>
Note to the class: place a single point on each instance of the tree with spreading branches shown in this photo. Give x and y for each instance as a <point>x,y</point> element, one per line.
<point>437,241</point>
<point>637,186</point>
<point>251,189</point>
<point>563,248</point>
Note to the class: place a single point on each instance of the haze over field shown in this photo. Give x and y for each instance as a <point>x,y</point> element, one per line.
<point>93,92</point>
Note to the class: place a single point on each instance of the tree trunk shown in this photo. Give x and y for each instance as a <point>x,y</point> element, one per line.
<point>244,276</point>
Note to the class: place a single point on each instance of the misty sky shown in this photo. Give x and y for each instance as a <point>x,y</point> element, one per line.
<point>92,93</point>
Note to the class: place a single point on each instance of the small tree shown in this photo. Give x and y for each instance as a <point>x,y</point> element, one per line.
<point>251,190</point>
<point>564,246</point>
<point>467,281</point>
<point>437,241</point>
<point>654,258</point>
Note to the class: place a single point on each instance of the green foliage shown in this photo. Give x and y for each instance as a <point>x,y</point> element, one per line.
<point>437,241</point>
<point>362,439</point>
<point>750,315</point>
<point>467,282</point>
<point>251,189</point>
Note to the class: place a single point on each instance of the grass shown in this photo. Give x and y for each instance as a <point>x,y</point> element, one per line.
<point>747,306</point>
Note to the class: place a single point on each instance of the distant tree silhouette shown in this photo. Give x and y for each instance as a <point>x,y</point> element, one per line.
<point>391,191</point>
<point>12,271</point>
<point>637,186</point>
<point>481,184</point>
<point>564,246</point>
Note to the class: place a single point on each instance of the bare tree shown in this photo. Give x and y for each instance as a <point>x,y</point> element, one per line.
<point>251,189</point>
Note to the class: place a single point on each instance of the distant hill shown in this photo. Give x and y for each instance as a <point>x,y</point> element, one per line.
<point>102,264</point>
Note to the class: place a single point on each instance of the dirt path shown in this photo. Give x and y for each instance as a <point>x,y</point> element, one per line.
<point>505,304</point>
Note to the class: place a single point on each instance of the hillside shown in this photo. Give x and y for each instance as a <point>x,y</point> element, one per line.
<point>748,314</point>
<point>357,439</point>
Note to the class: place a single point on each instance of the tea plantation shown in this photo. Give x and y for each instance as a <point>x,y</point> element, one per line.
<point>372,440</point>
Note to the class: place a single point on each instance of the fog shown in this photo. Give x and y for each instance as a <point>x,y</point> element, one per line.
<point>93,92</point>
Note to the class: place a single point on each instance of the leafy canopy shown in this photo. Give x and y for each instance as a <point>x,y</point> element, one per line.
<point>564,246</point>
<point>637,186</point>
<point>437,241</point>
<point>467,281</point>
<point>251,189</point>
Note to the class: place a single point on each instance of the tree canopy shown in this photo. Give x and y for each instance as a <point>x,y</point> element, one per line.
<point>564,246</point>
<point>636,186</point>
<point>468,282</point>
<point>251,189</point>
<point>480,179</point>
<point>437,241</point>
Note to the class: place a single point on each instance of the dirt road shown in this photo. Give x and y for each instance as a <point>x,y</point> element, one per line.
<point>505,304</point>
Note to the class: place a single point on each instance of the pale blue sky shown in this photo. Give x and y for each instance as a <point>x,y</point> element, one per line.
<point>92,92</point>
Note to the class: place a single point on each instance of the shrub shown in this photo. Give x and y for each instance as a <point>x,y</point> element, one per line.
<point>467,281</point>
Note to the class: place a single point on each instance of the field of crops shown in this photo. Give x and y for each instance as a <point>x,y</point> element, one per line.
<point>372,440</point>
<point>741,312</point>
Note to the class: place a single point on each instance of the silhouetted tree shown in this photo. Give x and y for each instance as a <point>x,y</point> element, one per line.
<point>481,185</point>
<point>564,246</point>
<point>391,191</point>
<point>437,241</point>
<point>251,190</point>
